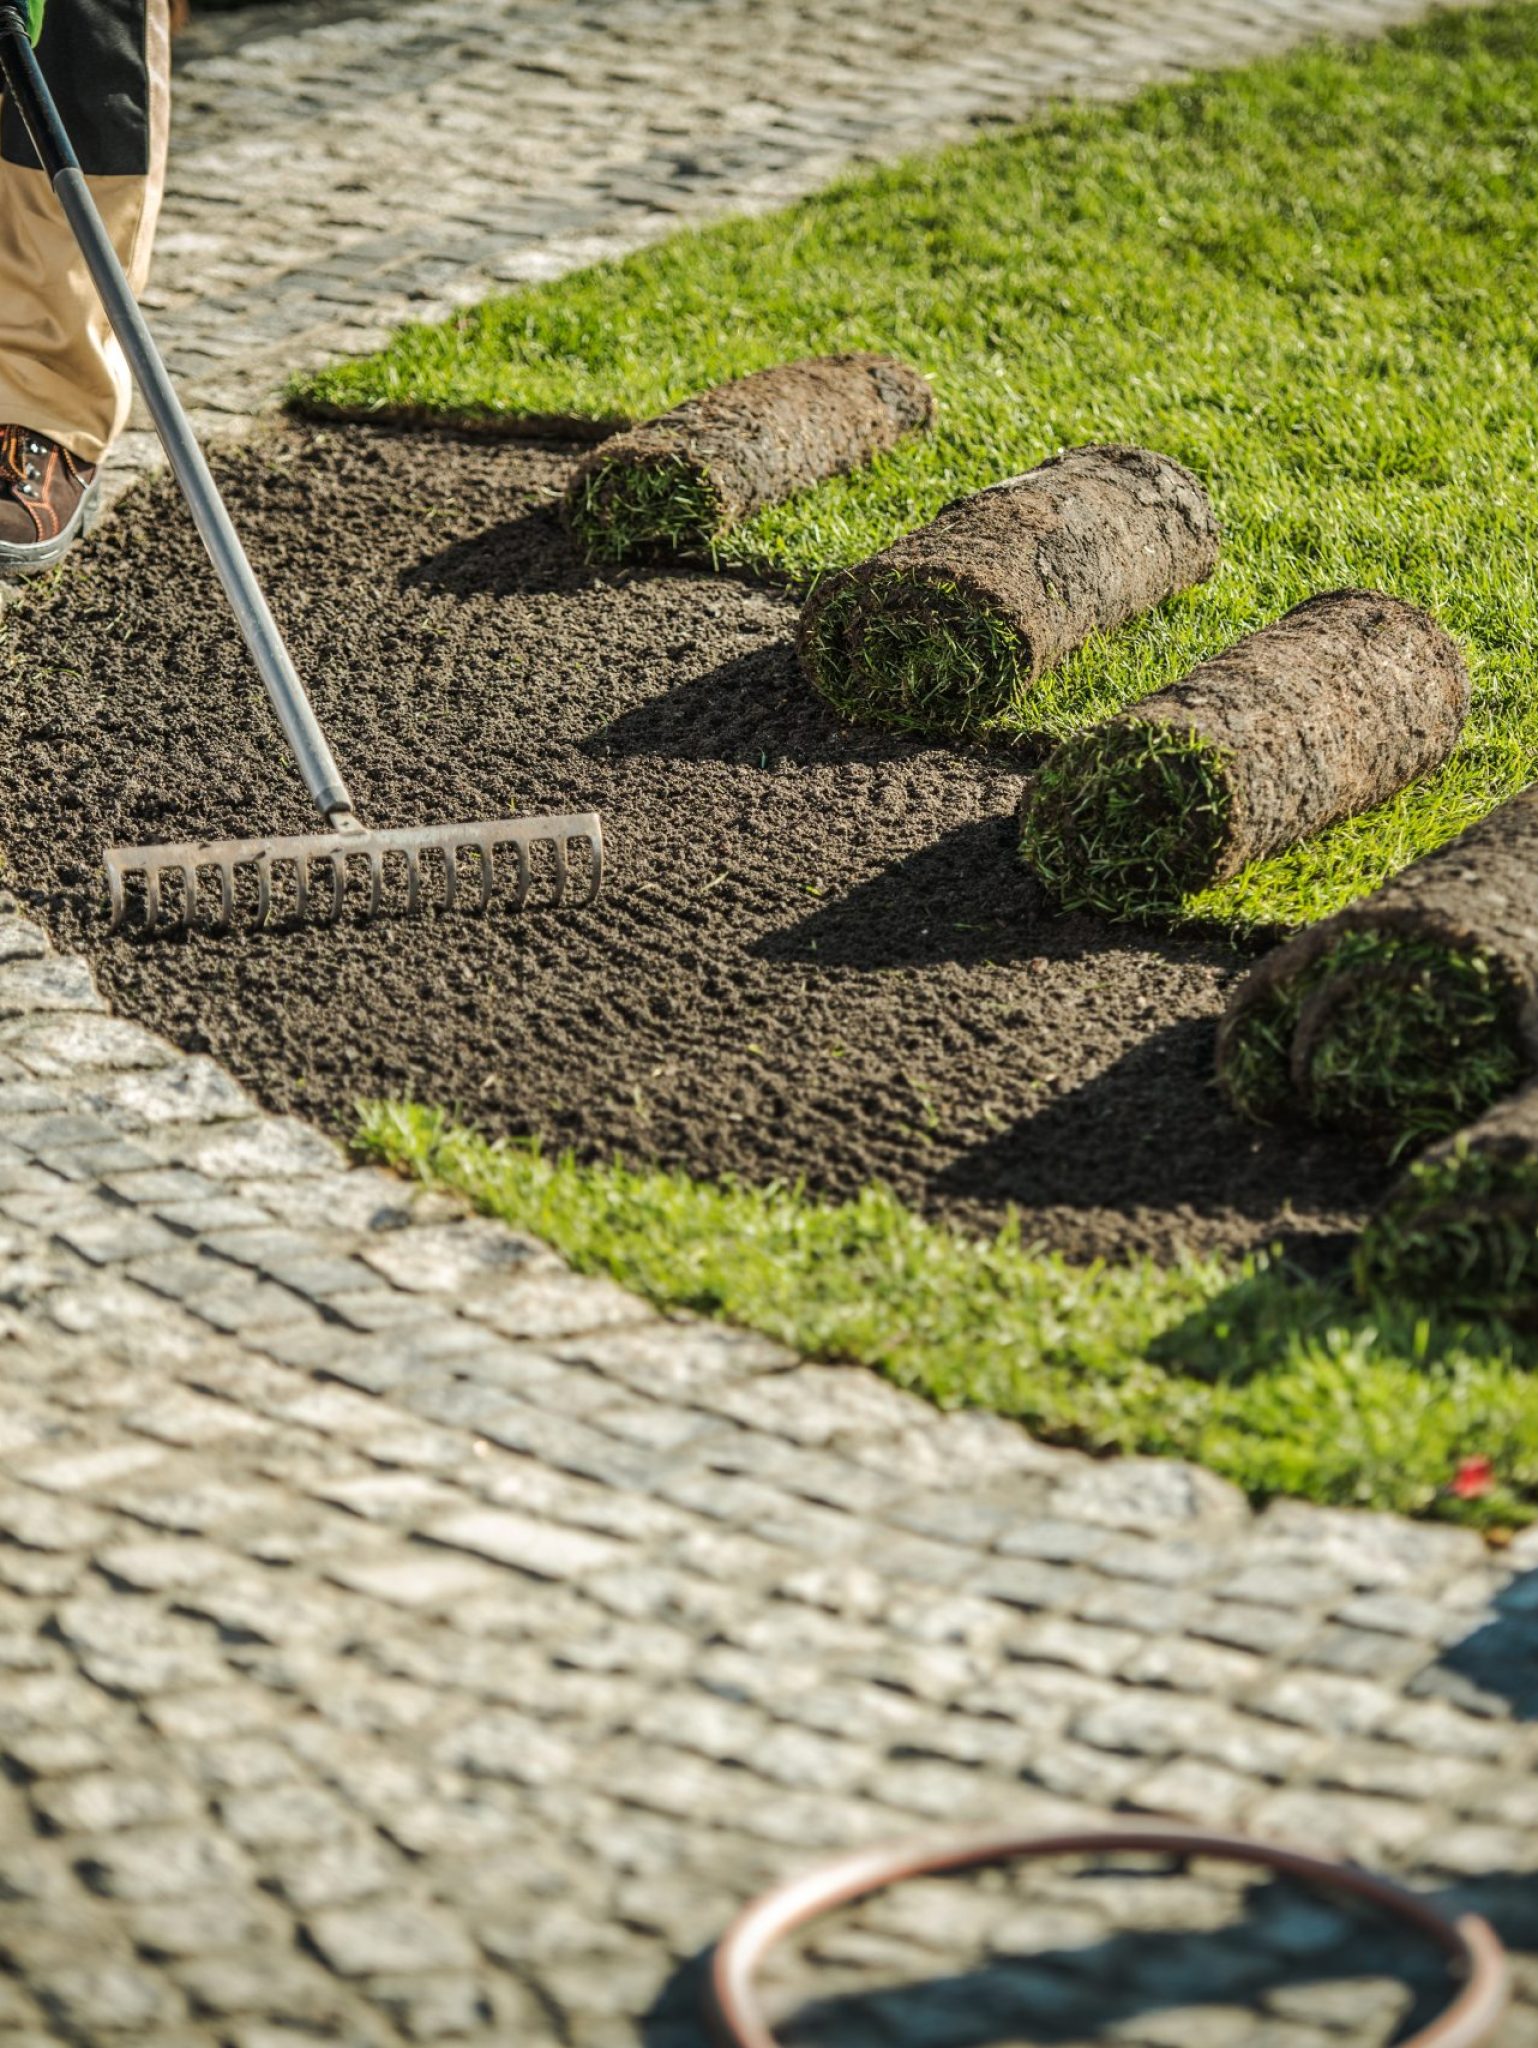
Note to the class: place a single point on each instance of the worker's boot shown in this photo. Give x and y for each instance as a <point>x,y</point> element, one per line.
<point>47,500</point>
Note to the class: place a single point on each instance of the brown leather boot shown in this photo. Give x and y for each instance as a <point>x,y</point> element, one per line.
<point>47,500</point>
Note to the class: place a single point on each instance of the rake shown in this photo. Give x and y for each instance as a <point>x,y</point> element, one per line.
<point>562,854</point>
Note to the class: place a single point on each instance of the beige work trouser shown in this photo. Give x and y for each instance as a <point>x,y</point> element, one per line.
<point>61,371</point>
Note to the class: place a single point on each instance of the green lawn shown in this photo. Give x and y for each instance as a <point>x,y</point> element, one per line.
<point>1275,1381</point>
<point>1305,280</point>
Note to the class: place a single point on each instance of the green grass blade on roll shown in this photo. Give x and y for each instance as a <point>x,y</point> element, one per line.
<point>1400,1038</point>
<point>913,653</point>
<point>1127,820</point>
<point>1459,1231</point>
<point>619,509</point>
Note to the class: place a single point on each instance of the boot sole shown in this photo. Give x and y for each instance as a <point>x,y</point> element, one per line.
<point>24,559</point>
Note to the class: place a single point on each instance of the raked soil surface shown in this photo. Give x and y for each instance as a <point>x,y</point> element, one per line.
<point>817,956</point>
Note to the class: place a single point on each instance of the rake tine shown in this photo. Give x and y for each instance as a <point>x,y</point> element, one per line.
<point>375,882</point>
<point>151,897</point>
<point>413,882</point>
<point>488,875</point>
<point>338,886</point>
<point>181,921</point>
<point>263,890</point>
<point>525,875</point>
<point>450,876</point>
<point>226,914</point>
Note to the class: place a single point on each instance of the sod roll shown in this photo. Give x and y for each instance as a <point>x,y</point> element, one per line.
<point>951,629</point>
<point>674,484</point>
<point>1324,713</point>
<point>1409,1012</point>
<point>1459,1231</point>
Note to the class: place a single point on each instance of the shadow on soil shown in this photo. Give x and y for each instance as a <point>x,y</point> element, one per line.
<point>1286,1958</point>
<point>758,710</point>
<point>529,555</point>
<point>1127,1140</point>
<point>994,910</point>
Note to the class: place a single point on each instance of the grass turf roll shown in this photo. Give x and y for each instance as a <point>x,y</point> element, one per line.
<point>1327,711</point>
<point>1409,1012</point>
<point>951,628</point>
<point>673,484</point>
<point>1459,1231</point>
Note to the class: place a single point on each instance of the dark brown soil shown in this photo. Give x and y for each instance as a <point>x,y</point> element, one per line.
<point>818,955</point>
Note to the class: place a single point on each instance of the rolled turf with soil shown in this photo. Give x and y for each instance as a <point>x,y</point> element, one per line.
<point>673,484</point>
<point>950,629</point>
<point>1329,710</point>
<point>1459,1231</point>
<point>1409,1012</point>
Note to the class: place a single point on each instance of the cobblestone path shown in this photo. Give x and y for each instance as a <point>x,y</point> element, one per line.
<point>404,1640</point>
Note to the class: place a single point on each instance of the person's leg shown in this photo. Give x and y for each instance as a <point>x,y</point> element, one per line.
<point>64,386</point>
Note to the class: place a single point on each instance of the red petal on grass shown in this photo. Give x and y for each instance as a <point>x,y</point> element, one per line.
<point>1474,1478</point>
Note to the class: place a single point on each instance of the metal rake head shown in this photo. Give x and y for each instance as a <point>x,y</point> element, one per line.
<point>461,859</point>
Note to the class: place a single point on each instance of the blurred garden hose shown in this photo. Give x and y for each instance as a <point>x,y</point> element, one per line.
<point>736,2019</point>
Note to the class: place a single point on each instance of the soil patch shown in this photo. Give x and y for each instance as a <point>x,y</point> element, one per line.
<point>819,955</point>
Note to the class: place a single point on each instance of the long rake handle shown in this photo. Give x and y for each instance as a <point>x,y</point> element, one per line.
<point>29,94</point>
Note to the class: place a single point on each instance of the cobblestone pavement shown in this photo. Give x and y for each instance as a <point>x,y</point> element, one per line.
<point>331,178</point>
<point>403,1639</point>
